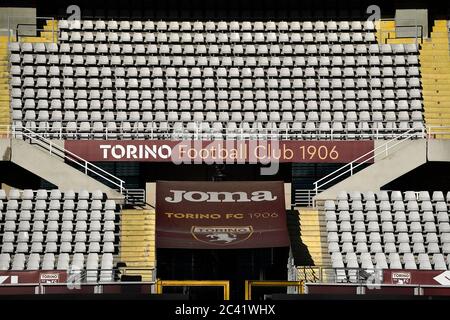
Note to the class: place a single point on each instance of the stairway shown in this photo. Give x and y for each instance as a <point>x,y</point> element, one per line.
<point>312,234</point>
<point>5,114</point>
<point>386,33</point>
<point>137,242</point>
<point>49,34</point>
<point>399,160</point>
<point>52,168</point>
<point>435,70</point>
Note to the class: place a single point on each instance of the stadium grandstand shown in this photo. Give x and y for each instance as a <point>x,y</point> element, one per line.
<point>226,151</point>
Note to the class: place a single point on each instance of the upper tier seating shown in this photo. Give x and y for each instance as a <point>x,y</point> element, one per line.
<point>52,230</point>
<point>136,80</point>
<point>395,230</point>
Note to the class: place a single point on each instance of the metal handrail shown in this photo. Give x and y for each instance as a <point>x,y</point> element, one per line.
<point>66,154</point>
<point>238,133</point>
<point>419,33</point>
<point>135,196</point>
<point>304,197</point>
<point>17,27</point>
<point>364,158</point>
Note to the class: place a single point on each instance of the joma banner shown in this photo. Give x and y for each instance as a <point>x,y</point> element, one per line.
<point>220,215</point>
<point>220,151</point>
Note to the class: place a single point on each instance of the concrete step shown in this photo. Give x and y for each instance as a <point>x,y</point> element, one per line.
<point>130,246</point>
<point>434,45</point>
<point>313,237</point>
<point>436,86</point>
<point>427,81</point>
<point>144,230</point>
<point>136,257</point>
<point>436,110</point>
<point>442,122</point>
<point>434,70</point>
<point>441,93</point>
<point>401,41</point>
<point>308,223</point>
<point>135,252</point>
<point>140,264</point>
<point>434,76</point>
<point>138,238</point>
<point>439,37</point>
<point>147,275</point>
<point>434,61</point>
<point>435,100</point>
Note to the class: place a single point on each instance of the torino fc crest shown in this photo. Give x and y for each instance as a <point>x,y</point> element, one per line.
<point>221,235</point>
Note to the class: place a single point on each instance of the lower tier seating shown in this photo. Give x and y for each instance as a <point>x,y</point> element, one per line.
<point>47,230</point>
<point>388,229</point>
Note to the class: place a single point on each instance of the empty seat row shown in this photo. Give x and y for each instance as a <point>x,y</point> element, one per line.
<point>221,26</point>
<point>212,116</point>
<point>367,226</point>
<point>385,261</point>
<point>363,54</point>
<point>394,196</point>
<point>324,85</point>
<point>209,37</point>
<point>54,194</point>
<point>63,261</point>
<point>360,73</point>
<point>44,223</point>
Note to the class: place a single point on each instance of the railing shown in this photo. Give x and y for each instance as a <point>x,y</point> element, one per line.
<point>417,28</point>
<point>239,134</point>
<point>249,284</point>
<point>59,151</point>
<point>350,167</point>
<point>309,273</point>
<point>88,167</point>
<point>304,197</point>
<point>20,36</point>
<point>327,274</point>
<point>134,196</point>
<point>160,284</point>
<point>18,32</point>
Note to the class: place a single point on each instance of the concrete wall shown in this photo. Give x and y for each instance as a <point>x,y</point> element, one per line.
<point>406,21</point>
<point>11,17</point>
<point>150,193</point>
<point>394,146</point>
<point>287,195</point>
<point>55,171</point>
<point>409,155</point>
<point>5,149</point>
<point>438,150</point>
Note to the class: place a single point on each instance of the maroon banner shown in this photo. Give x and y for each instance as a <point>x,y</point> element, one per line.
<point>48,276</point>
<point>220,151</point>
<point>424,277</point>
<point>220,215</point>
